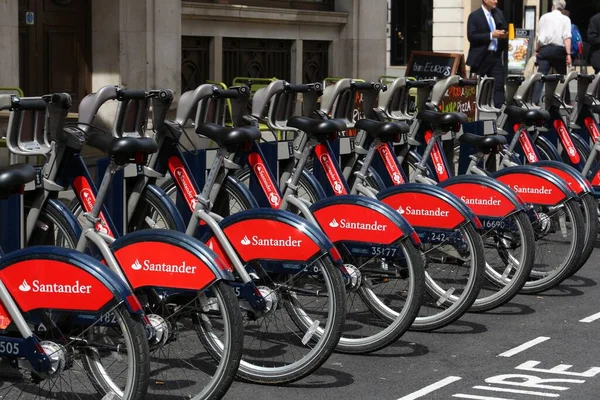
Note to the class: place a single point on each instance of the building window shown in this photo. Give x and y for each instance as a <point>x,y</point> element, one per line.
<point>411,28</point>
<point>320,5</point>
<point>315,61</point>
<point>256,58</point>
<point>195,62</point>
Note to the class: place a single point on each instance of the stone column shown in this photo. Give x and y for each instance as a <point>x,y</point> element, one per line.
<point>9,43</point>
<point>296,63</point>
<point>216,59</point>
<point>448,26</point>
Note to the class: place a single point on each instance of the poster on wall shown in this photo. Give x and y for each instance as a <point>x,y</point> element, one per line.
<point>520,50</point>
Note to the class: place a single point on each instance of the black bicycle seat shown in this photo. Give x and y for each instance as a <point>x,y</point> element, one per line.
<point>228,137</point>
<point>445,121</point>
<point>14,177</point>
<point>123,150</point>
<point>529,117</point>
<point>485,144</point>
<point>385,131</point>
<point>317,128</point>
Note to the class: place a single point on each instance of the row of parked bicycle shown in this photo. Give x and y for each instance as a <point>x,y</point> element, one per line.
<point>258,257</point>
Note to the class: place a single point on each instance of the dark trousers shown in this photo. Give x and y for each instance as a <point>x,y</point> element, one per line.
<point>550,56</point>
<point>491,65</point>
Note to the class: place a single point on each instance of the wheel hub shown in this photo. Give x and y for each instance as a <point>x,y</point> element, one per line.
<point>354,277</point>
<point>272,298</point>
<point>57,355</point>
<point>162,329</point>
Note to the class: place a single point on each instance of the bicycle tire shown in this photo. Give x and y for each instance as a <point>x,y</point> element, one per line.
<point>51,220</point>
<point>362,333</point>
<point>503,281</point>
<point>149,212</point>
<point>541,280</point>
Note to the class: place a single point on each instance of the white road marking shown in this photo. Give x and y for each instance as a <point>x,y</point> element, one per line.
<point>497,389</point>
<point>524,347</point>
<point>431,388</point>
<point>472,396</point>
<point>591,318</point>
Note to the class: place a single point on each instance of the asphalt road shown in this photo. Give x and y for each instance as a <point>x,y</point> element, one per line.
<point>536,347</point>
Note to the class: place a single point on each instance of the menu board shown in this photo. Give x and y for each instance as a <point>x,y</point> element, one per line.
<point>520,50</point>
<point>429,65</point>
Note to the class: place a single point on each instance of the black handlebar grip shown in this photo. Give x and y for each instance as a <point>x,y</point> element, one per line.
<point>302,88</point>
<point>36,104</point>
<point>367,85</point>
<point>420,84</point>
<point>553,78</point>
<point>127,94</point>
<point>62,99</point>
<point>516,78</point>
<point>229,93</point>
<point>469,82</point>
<point>586,77</point>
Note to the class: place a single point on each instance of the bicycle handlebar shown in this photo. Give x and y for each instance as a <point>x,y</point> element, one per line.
<point>162,95</point>
<point>303,88</point>
<point>63,100</point>
<point>553,78</point>
<point>468,82</point>
<point>368,86</point>
<point>586,77</point>
<point>231,93</point>
<point>421,84</point>
<point>128,94</point>
<point>36,104</point>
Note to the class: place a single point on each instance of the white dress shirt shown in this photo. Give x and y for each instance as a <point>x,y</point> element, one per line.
<point>488,15</point>
<point>554,28</point>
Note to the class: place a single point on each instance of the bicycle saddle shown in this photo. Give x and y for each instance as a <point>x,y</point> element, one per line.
<point>485,144</point>
<point>227,137</point>
<point>123,150</point>
<point>385,131</point>
<point>529,117</point>
<point>317,128</point>
<point>445,121</point>
<point>14,177</point>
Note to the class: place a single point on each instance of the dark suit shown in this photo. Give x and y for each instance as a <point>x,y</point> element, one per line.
<point>481,60</point>
<point>593,38</point>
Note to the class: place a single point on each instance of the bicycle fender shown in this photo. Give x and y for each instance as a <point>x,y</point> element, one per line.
<point>62,279</point>
<point>270,234</point>
<point>361,219</point>
<point>535,185</point>
<point>551,147</point>
<point>314,183</point>
<point>594,178</point>
<point>244,190</point>
<point>485,196</point>
<point>428,206</point>
<point>166,201</point>
<point>66,213</point>
<point>569,174</point>
<point>168,259</point>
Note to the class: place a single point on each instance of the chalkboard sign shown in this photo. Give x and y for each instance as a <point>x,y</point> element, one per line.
<point>428,65</point>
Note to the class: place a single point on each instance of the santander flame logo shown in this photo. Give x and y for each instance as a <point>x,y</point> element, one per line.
<point>136,266</point>
<point>24,287</point>
<point>245,241</point>
<point>400,210</point>
<point>334,223</point>
<point>267,184</point>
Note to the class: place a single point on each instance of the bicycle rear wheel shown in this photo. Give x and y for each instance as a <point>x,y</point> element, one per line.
<point>91,358</point>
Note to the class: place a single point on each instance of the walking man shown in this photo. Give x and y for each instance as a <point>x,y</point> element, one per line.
<point>594,41</point>
<point>486,31</point>
<point>553,46</point>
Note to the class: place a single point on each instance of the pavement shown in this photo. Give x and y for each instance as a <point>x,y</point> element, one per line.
<point>536,347</point>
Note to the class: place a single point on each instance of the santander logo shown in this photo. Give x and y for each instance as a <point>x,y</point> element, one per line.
<point>38,287</point>
<point>530,190</point>
<point>332,175</point>
<point>365,226</point>
<point>267,184</point>
<point>527,147</point>
<point>184,182</point>
<point>592,128</point>
<point>88,202</point>
<point>271,242</point>
<point>390,164</point>
<point>566,141</point>
<point>422,212</point>
<point>176,268</point>
<point>491,201</point>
